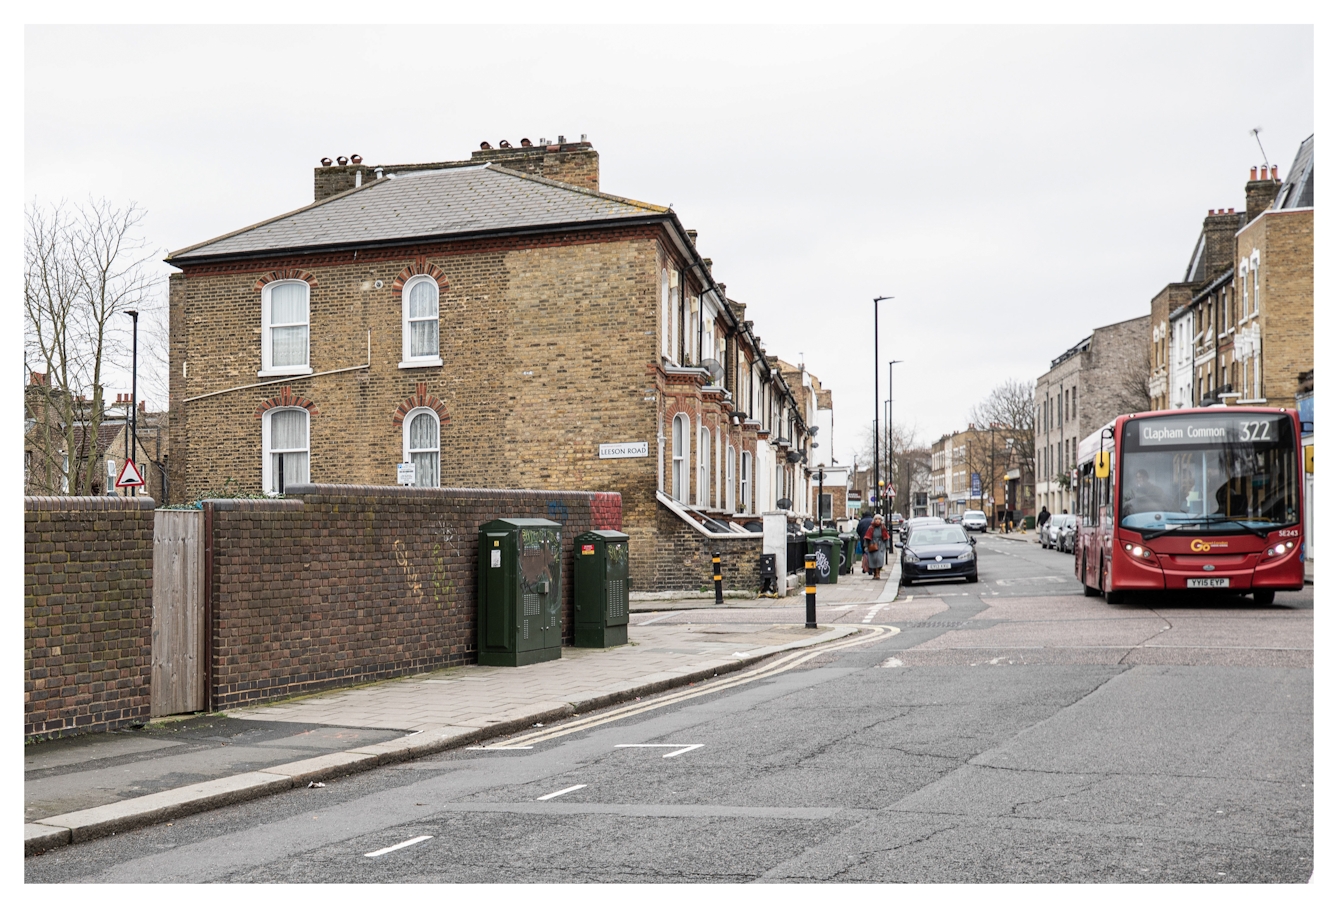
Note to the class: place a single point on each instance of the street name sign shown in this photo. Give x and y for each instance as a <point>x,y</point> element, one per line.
<point>624,449</point>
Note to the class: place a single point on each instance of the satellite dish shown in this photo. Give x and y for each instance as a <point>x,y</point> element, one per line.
<point>713,366</point>
<point>783,504</point>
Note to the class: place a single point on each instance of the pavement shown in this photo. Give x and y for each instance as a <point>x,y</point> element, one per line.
<point>86,787</point>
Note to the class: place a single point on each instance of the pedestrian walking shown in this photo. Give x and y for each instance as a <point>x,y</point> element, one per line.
<point>860,530</point>
<point>876,540</point>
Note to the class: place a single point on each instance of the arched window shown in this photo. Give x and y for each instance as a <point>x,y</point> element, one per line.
<point>421,323</point>
<point>746,483</point>
<point>704,468</point>
<point>679,485</point>
<point>729,478</point>
<point>422,447</point>
<point>287,448</point>
<point>285,316</point>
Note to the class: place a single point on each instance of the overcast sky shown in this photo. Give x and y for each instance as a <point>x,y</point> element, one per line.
<point>1011,187</point>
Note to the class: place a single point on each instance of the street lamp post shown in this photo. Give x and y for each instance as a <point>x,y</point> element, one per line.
<point>134,390</point>
<point>891,458</point>
<point>876,484</point>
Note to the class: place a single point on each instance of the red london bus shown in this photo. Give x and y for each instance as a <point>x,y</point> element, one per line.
<point>1191,499</point>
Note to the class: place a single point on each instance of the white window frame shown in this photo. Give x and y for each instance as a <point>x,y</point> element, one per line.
<point>730,475</point>
<point>267,366</point>
<point>267,477</point>
<point>408,451</point>
<point>745,482</point>
<point>703,467</point>
<point>678,440</point>
<point>409,361</point>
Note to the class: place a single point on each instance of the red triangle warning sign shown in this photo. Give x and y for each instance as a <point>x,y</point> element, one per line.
<point>129,476</point>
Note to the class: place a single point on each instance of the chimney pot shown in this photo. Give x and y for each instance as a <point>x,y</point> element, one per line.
<point>504,144</point>
<point>485,146</point>
<point>326,162</point>
<point>1254,174</point>
<point>1275,171</point>
<point>356,159</point>
<point>525,143</point>
<point>1231,211</point>
<point>562,140</point>
<point>342,160</point>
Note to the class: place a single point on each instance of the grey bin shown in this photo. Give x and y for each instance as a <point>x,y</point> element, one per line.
<point>601,588</point>
<point>520,591</point>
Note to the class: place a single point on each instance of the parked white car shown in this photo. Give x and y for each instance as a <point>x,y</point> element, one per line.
<point>1059,532</point>
<point>975,520</point>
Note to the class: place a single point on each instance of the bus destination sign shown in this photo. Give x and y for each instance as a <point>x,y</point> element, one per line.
<point>1242,428</point>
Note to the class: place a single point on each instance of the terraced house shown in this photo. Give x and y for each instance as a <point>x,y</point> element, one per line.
<point>495,322</point>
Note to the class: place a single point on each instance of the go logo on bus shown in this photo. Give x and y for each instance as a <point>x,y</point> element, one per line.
<point>1198,545</point>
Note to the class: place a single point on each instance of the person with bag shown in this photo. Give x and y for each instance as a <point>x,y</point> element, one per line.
<point>860,530</point>
<point>876,541</point>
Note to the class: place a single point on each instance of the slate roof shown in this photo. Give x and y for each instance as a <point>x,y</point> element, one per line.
<point>1298,190</point>
<point>426,204</point>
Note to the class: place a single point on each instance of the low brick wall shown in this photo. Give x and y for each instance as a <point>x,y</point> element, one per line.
<point>684,558</point>
<point>345,584</point>
<point>87,613</point>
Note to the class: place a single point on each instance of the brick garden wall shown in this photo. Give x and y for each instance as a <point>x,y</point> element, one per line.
<point>345,584</point>
<point>87,613</point>
<point>683,561</point>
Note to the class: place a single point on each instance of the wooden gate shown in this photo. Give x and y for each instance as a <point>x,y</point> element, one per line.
<point>177,683</point>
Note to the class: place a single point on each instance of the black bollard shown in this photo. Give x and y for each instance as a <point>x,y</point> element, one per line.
<point>811,591</point>
<point>719,587</point>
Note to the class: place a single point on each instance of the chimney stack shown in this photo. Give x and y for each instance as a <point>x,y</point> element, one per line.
<point>1260,192</point>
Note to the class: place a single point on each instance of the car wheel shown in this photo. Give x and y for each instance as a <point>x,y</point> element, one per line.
<point>972,578</point>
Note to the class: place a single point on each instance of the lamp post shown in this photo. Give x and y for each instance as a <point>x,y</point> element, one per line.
<point>891,459</point>
<point>134,389</point>
<point>876,484</point>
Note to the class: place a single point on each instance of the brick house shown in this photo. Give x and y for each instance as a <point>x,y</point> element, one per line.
<point>1239,327</point>
<point>1086,386</point>
<point>497,323</point>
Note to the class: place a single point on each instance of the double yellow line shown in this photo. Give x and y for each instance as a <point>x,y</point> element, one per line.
<point>863,634</point>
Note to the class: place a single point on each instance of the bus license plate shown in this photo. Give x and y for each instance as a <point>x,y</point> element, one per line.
<point>1201,582</point>
<point>938,567</point>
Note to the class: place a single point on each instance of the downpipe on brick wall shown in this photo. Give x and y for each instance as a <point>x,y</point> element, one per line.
<point>289,379</point>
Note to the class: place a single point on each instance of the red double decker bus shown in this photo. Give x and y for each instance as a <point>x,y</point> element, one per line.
<point>1192,499</point>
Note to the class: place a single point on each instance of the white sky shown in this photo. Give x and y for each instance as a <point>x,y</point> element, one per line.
<point>1013,187</point>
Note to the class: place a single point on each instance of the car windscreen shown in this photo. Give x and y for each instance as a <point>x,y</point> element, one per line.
<point>1232,473</point>
<point>937,535</point>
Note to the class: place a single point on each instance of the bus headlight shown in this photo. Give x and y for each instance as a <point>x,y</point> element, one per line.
<point>1139,551</point>
<point>1277,551</point>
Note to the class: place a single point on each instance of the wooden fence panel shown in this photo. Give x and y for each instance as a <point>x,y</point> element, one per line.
<point>177,683</point>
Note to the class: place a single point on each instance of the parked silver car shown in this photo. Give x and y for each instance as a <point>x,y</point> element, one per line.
<point>1059,532</point>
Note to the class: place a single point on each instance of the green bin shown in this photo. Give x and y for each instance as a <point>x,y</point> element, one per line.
<point>601,588</point>
<point>520,591</point>
<point>828,552</point>
<point>848,557</point>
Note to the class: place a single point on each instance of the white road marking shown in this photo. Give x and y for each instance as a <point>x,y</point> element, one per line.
<point>659,618</point>
<point>873,611</point>
<point>891,663</point>
<point>549,797</point>
<point>414,841</point>
<point>682,748</point>
<point>500,747</point>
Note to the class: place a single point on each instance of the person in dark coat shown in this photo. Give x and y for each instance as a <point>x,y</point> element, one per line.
<point>1043,518</point>
<point>860,530</point>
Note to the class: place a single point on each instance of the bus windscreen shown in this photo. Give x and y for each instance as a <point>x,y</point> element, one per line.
<point>1206,472</point>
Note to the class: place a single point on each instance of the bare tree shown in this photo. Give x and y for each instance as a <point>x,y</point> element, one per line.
<point>1011,406</point>
<point>902,461</point>
<point>83,267</point>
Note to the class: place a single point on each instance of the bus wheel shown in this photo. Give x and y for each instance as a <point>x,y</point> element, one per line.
<point>1264,597</point>
<point>1112,597</point>
<point>1087,590</point>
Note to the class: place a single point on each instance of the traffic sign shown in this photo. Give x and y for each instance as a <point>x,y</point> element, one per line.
<point>130,476</point>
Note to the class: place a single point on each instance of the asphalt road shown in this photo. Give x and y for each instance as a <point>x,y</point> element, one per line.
<point>1012,731</point>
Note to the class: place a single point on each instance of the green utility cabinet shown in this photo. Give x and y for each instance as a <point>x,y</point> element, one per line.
<point>601,588</point>
<point>520,591</point>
